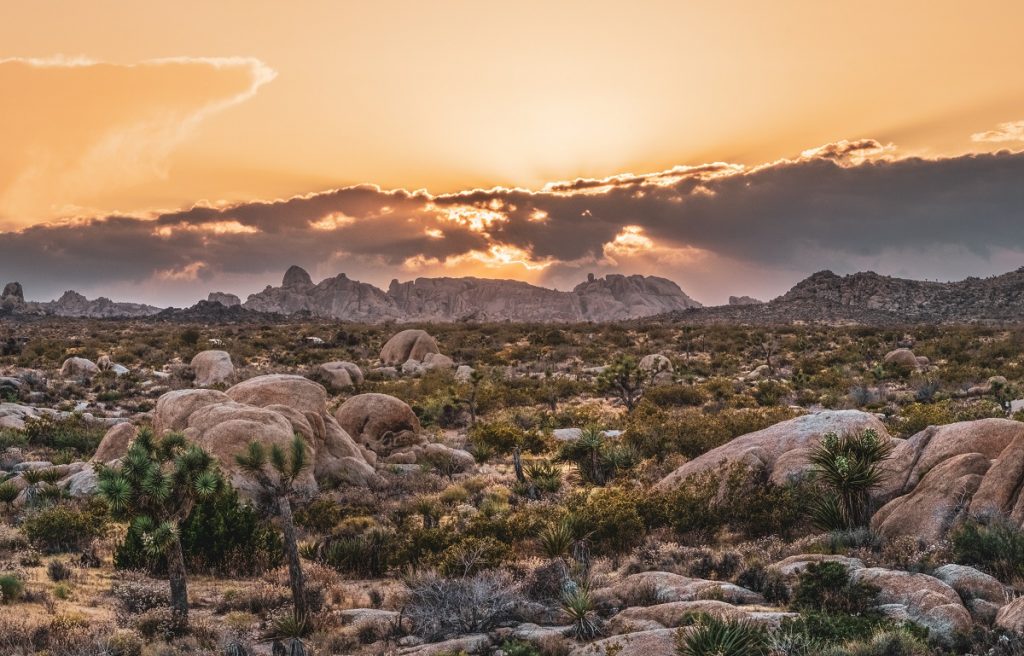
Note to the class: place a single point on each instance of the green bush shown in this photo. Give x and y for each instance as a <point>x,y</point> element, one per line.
<point>72,432</point>
<point>66,526</point>
<point>715,636</point>
<point>826,587</point>
<point>220,535</point>
<point>994,544</point>
<point>11,588</point>
<point>610,519</point>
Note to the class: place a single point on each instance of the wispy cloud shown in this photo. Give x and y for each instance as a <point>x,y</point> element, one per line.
<point>1004,132</point>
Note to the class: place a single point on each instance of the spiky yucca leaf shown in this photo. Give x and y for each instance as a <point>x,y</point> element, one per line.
<point>714,636</point>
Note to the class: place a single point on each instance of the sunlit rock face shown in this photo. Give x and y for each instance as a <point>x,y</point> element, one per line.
<point>610,298</point>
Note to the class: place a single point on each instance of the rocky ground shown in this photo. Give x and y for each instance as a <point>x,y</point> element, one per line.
<point>521,489</point>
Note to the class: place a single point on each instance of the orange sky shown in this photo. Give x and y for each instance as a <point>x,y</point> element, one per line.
<point>231,101</point>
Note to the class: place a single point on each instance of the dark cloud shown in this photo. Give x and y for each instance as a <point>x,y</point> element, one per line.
<point>840,201</point>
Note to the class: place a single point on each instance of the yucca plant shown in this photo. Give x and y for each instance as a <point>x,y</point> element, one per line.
<point>555,539</point>
<point>578,604</point>
<point>156,486</point>
<point>714,636</point>
<point>276,471</point>
<point>287,632</point>
<point>8,492</point>
<point>544,474</point>
<point>848,468</point>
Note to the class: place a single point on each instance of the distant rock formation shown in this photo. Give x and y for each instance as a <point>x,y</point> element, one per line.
<point>225,299</point>
<point>872,299</point>
<point>744,300</point>
<point>71,304</point>
<point>610,298</point>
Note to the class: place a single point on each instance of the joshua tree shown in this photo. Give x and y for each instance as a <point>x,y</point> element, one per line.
<point>469,400</point>
<point>625,380</point>
<point>156,486</point>
<point>275,471</point>
<point>849,468</point>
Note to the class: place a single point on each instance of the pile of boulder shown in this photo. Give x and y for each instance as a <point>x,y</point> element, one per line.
<point>412,352</point>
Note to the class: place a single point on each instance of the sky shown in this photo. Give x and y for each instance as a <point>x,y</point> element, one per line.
<point>157,151</point>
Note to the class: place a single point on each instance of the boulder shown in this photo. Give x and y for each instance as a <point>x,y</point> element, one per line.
<point>338,376</point>
<point>78,369</point>
<point>380,422</point>
<point>83,483</point>
<point>212,368</point>
<point>670,587</point>
<point>793,565</point>
<point>174,408</point>
<point>115,442</point>
<point>296,392</point>
<point>781,449</point>
<point>408,345</point>
<point>969,583</point>
<point>464,373</point>
<point>935,503</point>
<point>653,642</point>
<point>437,361</point>
<point>672,614</point>
<point>224,298</point>
<point>926,600</point>
<point>1011,616</point>
<point>901,358</point>
<point>655,363</point>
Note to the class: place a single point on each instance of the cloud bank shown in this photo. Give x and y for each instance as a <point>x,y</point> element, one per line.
<point>716,229</point>
<point>78,132</point>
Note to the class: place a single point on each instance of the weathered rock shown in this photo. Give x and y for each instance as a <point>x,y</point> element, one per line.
<point>174,408</point>
<point>464,373</point>
<point>928,601</point>
<point>477,643</point>
<point>339,375</point>
<point>444,456</point>
<point>969,583</point>
<point>115,442</point>
<point>437,361</point>
<point>781,449</point>
<point>1011,616</point>
<point>796,564</point>
<point>655,642</point>
<point>902,358</point>
<point>212,368</point>
<point>380,422</point>
<point>296,392</point>
<point>670,587</point>
<point>655,363</point>
<point>78,369</point>
<point>408,345</point>
<point>83,483</point>
<point>672,614</point>
<point>936,502</point>
<point>225,299</point>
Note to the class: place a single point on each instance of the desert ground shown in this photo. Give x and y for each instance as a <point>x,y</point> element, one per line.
<point>622,489</point>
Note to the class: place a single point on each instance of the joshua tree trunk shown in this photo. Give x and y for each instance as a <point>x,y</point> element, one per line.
<point>291,546</point>
<point>179,585</point>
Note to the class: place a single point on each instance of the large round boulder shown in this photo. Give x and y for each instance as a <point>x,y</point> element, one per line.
<point>340,375</point>
<point>78,369</point>
<point>115,442</point>
<point>174,408</point>
<point>655,363</point>
<point>380,422</point>
<point>902,358</point>
<point>408,345</point>
<point>781,450</point>
<point>212,368</point>
<point>926,600</point>
<point>296,392</point>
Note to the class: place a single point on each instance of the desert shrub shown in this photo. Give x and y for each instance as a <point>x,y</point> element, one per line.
<point>503,436</point>
<point>11,588</point>
<point>367,554</point>
<point>320,515</point>
<point>220,535</point>
<point>260,598</point>
<point>72,432</point>
<point>135,593</point>
<point>610,519</point>
<point>993,543</point>
<point>66,526</point>
<point>885,642</point>
<point>737,499</point>
<point>770,392</point>
<point>675,395</point>
<point>58,570</point>
<point>440,607</point>
<point>472,554</point>
<point>657,432</point>
<point>826,587</point>
<point>8,492</point>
